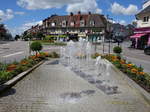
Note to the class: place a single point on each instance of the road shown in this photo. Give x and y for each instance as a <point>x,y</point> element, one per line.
<point>137,57</point>
<point>11,51</point>
<point>17,50</point>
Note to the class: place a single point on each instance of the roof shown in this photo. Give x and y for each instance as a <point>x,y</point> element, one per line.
<point>99,20</point>
<point>146,10</point>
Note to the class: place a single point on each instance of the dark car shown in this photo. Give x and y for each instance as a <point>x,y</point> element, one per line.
<point>147,50</point>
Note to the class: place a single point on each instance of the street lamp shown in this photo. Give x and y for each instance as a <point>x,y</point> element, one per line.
<point>103,40</point>
<point>110,29</point>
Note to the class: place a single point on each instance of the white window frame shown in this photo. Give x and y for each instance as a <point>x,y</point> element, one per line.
<point>92,23</point>
<point>64,23</point>
<point>82,23</point>
<point>72,24</point>
<point>53,24</point>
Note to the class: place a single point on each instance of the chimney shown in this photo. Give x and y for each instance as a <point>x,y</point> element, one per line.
<point>79,12</point>
<point>71,13</point>
<point>89,13</point>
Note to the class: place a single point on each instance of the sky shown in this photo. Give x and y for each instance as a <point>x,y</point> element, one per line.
<point>20,15</point>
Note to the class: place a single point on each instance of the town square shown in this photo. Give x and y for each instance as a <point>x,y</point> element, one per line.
<point>75,56</point>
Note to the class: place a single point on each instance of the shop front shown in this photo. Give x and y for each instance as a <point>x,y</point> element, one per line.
<point>141,38</point>
<point>94,37</point>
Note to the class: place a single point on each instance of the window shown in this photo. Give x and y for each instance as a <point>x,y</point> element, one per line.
<point>53,24</point>
<point>92,23</point>
<point>46,25</point>
<point>72,23</point>
<point>146,19</point>
<point>82,23</point>
<point>64,23</point>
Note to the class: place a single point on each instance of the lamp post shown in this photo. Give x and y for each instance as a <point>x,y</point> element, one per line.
<point>103,41</point>
<point>110,29</point>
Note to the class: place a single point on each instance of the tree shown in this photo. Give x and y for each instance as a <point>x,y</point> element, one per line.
<point>27,37</point>
<point>8,36</point>
<point>36,47</point>
<point>40,36</point>
<point>2,32</point>
<point>17,37</point>
<point>117,50</point>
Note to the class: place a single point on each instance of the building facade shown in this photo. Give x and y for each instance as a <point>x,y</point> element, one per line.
<point>141,37</point>
<point>143,17</point>
<point>73,24</point>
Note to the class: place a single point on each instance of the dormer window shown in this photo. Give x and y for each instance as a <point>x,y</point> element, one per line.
<point>64,23</point>
<point>92,23</point>
<point>82,23</point>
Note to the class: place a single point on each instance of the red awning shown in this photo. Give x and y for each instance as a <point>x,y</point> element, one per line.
<point>137,35</point>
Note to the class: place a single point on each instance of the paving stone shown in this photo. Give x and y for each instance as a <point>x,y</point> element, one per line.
<point>41,91</point>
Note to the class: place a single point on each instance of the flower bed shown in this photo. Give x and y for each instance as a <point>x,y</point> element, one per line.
<point>134,72</point>
<point>8,71</point>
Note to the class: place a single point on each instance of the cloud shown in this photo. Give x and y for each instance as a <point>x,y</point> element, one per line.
<point>85,6</point>
<point>44,4</point>
<point>123,22</point>
<point>8,14</point>
<point>72,5</point>
<point>23,27</point>
<point>119,9</point>
<point>19,13</point>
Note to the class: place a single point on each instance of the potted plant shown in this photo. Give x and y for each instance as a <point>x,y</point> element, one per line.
<point>118,51</point>
<point>36,47</point>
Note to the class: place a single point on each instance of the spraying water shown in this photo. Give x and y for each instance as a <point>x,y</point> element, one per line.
<point>77,57</point>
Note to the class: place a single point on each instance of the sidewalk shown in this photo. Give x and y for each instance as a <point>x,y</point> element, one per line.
<point>54,88</point>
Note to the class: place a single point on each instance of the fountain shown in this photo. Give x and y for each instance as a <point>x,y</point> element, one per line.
<point>77,57</point>
<point>88,53</point>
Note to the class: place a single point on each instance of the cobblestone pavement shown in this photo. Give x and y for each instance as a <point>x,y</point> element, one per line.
<point>54,88</point>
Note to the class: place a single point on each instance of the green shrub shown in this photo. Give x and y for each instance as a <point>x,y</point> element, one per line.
<point>3,67</point>
<point>117,50</point>
<point>5,76</point>
<point>147,80</point>
<point>29,65</point>
<point>36,46</point>
<point>18,70</point>
<point>32,62</point>
<point>54,55</point>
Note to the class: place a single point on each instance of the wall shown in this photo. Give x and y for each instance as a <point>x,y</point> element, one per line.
<point>140,22</point>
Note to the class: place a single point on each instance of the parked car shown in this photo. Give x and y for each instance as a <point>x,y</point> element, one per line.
<point>147,50</point>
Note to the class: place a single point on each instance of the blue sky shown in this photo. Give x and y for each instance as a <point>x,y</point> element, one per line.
<point>19,15</point>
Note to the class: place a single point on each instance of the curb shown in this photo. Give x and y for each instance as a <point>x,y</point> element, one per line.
<point>132,84</point>
<point>20,76</point>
